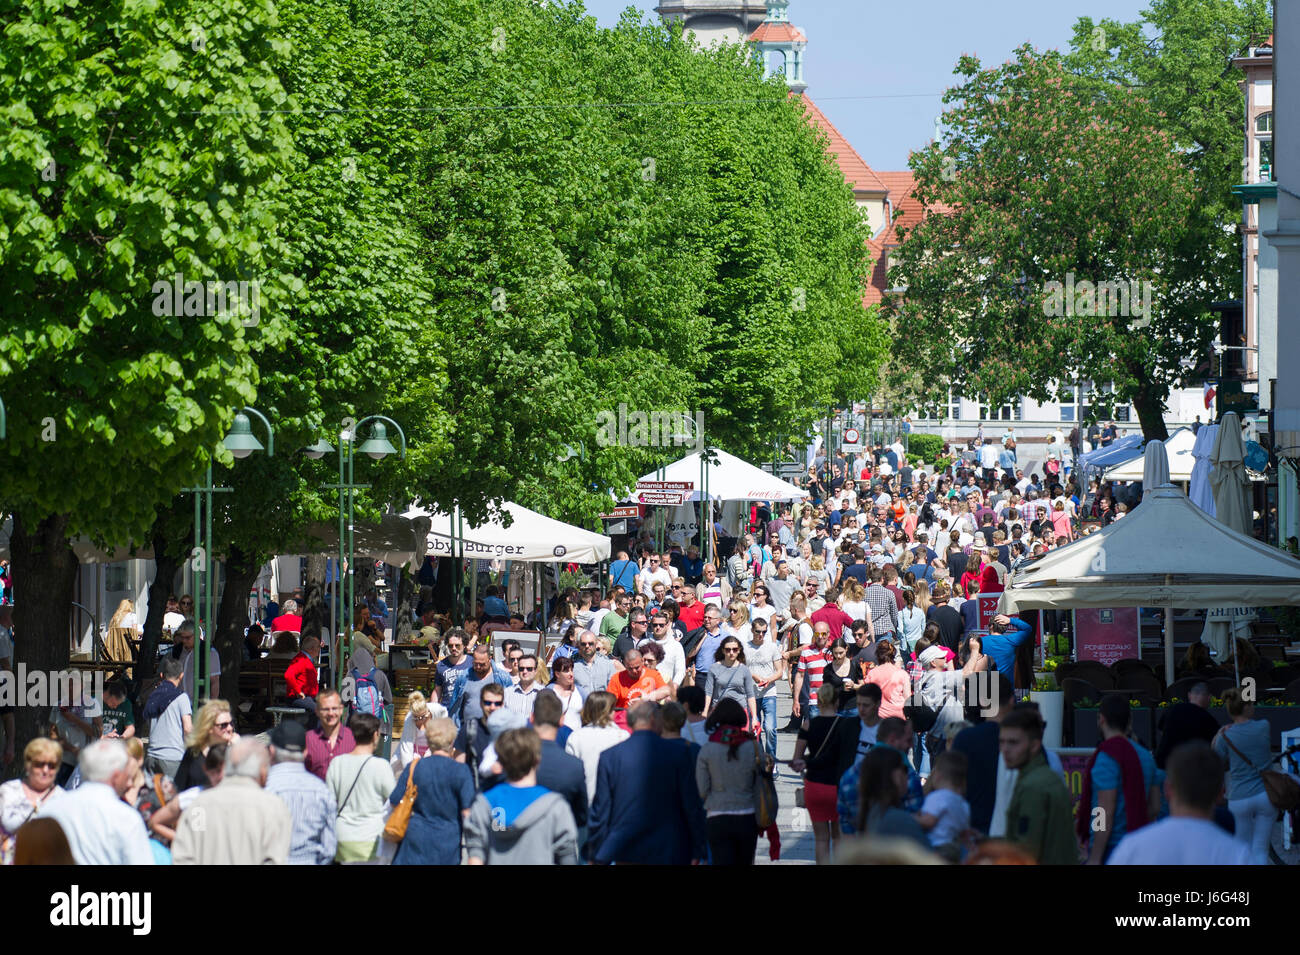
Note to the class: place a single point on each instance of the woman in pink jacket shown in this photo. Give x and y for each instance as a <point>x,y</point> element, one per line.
<point>895,685</point>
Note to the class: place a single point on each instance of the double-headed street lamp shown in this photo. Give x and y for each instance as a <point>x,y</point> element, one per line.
<point>240,442</point>
<point>377,447</point>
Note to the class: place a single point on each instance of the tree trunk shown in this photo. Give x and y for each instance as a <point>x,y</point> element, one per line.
<point>241,571</point>
<point>44,573</point>
<point>1150,410</point>
<point>168,556</point>
<point>315,614</point>
<point>401,614</point>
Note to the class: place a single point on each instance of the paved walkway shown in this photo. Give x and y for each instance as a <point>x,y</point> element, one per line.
<point>796,833</point>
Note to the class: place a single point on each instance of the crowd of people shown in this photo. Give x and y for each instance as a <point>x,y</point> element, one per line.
<point>646,731</point>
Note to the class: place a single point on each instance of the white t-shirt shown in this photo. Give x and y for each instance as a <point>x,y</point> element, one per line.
<point>762,613</point>
<point>588,743</point>
<point>172,620</point>
<point>1180,840</point>
<point>953,813</point>
<point>673,666</point>
<point>648,578</point>
<point>571,715</point>
<point>413,741</point>
<point>597,616</point>
<point>761,661</point>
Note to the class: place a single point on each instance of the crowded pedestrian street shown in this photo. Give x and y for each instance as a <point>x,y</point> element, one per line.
<point>684,433</point>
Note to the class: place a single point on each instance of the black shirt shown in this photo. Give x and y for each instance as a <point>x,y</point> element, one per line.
<point>980,744</point>
<point>831,746</point>
<point>1183,722</point>
<point>950,626</point>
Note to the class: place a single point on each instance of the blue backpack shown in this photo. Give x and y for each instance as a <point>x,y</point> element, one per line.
<point>366,697</point>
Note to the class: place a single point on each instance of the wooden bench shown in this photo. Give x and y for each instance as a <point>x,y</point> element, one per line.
<point>261,684</point>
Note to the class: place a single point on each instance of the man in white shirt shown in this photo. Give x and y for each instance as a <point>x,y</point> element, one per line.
<point>1189,836</point>
<point>988,458</point>
<point>521,697</point>
<point>652,572</point>
<point>100,827</point>
<point>673,667</point>
<point>713,590</point>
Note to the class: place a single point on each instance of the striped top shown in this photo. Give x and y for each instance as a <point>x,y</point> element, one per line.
<point>812,663</point>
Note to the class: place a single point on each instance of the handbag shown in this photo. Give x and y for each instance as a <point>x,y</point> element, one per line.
<point>400,817</point>
<point>765,798</point>
<point>799,799</point>
<point>1283,790</point>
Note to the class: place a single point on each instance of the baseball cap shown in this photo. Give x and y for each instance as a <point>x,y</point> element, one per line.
<point>290,736</point>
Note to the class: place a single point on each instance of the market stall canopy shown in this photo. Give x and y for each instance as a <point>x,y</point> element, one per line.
<point>1166,552</point>
<point>1117,452</point>
<point>530,537</point>
<point>730,479</point>
<point>394,540</point>
<point>1179,448</point>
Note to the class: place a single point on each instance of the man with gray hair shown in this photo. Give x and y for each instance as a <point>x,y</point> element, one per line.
<point>184,651</point>
<point>101,828</point>
<point>310,801</point>
<point>236,822</point>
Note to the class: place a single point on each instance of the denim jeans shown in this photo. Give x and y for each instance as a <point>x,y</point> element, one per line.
<point>767,713</point>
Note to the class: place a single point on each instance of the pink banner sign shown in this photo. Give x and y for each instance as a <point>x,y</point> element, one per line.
<point>1107,635</point>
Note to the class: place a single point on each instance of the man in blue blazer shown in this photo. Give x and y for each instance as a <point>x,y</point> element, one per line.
<point>647,809</point>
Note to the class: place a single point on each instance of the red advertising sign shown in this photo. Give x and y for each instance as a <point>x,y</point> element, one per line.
<point>621,512</point>
<point>664,492</point>
<point>988,609</point>
<point>1107,635</point>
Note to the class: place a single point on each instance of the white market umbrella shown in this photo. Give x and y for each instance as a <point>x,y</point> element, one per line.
<point>1155,467</point>
<point>1199,490</point>
<point>1165,553</point>
<point>729,479</point>
<point>1178,446</point>
<point>530,537</point>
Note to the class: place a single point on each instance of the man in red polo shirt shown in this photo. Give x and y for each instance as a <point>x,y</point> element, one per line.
<point>331,738</point>
<point>300,679</point>
<point>839,623</point>
<point>691,610</point>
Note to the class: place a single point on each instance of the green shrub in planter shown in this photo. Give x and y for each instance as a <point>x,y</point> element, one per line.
<point>928,446</point>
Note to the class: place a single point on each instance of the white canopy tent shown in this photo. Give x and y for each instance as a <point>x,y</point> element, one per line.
<point>530,537</point>
<point>728,479</point>
<point>1165,553</point>
<point>1178,446</point>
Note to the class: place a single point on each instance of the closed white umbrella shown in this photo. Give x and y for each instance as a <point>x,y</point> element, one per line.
<point>1155,467</point>
<point>1200,491</point>
<point>1228,478</point>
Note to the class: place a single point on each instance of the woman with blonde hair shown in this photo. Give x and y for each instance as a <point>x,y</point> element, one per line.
<point>214,724</point>
<point>26,798</point>
<point>853,600</point>
<point>737,622</point>
<point>444,792</point>
<point>818,572</point>
<point>414,727</point>
<point>598,734</point>
<point>922,591</point>
<point>123,628</point>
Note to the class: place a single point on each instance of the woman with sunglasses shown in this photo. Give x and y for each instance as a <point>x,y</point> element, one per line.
<point>413,742</point>
<point>729,678</point>
<point>213,725</point>
<point>26,798</point>
<point>737,623</point>
<point>762,604</point>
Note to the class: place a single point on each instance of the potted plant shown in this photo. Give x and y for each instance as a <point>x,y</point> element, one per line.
<point>1051,704</point>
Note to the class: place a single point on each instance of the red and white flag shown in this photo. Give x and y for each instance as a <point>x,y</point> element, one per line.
<point>1209,394</point>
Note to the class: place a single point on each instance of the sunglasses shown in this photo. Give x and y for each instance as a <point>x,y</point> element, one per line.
<point>491,703</point>
<point>587,645</point>
<point>45,765</point>
<point>229,724</point>
<point>660,623</point>
<point>731,650</point>
<point>527,669</point>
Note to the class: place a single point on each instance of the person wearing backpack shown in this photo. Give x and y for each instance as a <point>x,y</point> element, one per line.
<point>361,783</point>
<point>371,695</point>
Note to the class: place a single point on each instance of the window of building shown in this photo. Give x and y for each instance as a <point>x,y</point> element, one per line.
<point>1007,412</point>
<point>1264,145</point>
<point>954,405</point>
<point>115,578</point>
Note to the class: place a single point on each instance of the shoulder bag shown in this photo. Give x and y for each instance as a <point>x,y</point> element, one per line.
<point>765,798</point>
<point>400,817</point>
<point>1283,790</point>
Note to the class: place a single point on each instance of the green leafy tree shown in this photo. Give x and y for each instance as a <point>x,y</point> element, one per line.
<point>138,141</point>
<point>1060,244</point>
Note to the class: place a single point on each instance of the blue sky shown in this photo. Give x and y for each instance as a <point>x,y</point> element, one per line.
<point>865,59</point>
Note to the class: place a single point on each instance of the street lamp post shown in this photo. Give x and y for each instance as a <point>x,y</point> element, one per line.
<point>377,446</point>
<point>240,442</point>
